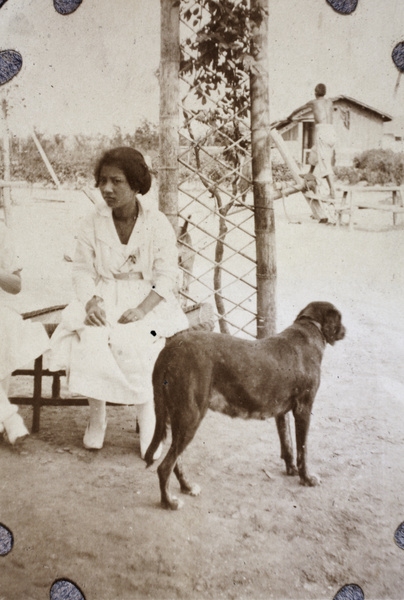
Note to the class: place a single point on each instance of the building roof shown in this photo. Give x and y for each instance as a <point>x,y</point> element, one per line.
<point>395,127</point>
<point>305,111</point>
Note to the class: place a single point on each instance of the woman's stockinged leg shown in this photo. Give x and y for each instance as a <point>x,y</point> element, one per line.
<point>95,431</point>
<point>10,420</point>
<point>6,408</point>
<point>98,412</point>
<point>147,421</point>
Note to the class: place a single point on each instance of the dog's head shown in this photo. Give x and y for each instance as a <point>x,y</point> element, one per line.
<point>327,317</point>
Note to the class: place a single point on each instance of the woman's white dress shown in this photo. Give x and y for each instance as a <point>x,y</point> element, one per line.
<point>20,341</point>
<point>115,363</point>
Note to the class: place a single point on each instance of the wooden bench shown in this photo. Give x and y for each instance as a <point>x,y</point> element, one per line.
<point>349,204</point>
<point>200,317</point>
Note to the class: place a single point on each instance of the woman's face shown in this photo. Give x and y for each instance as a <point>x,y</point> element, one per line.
<point>115,188</point>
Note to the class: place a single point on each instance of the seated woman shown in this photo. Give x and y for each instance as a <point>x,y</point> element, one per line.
<point>21,341</point>
<point>125,271</point>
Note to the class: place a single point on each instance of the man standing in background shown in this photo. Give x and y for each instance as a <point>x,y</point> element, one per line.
<point>324,137</point>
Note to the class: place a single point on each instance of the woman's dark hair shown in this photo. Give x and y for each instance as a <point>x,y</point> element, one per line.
<point>131,162</point>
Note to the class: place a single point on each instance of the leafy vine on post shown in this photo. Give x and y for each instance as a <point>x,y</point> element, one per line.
<point>218,58</point>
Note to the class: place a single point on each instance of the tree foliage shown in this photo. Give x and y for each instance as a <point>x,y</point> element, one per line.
<point>221,52</point>
<point>216,60</point>
<point>73,158</point>
<point>219,57</point>
<point>215,55</point>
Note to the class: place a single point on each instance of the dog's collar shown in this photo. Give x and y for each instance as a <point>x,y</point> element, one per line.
<point>316,324</point>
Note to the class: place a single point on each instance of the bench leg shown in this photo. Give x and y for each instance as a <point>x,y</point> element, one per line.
<point>350,214</point>
<point>394,204</point>
<point>342,205</point>
<point>56,386</point>
<point>36,402</point>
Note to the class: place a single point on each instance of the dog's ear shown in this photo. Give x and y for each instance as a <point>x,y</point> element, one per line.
<point>312,312</point>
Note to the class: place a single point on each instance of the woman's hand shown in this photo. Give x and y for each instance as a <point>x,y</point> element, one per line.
<point>139,313</point>
<point>96,316</point>
<point>10,282</point>
<point>132,315</point>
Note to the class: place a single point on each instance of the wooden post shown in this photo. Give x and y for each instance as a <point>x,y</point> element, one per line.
<point>290,162</point>
<point>169,109</point>
<point>46,160</point>
<point>262,179</point>
<point>37,398</point>
<point>7,165</point>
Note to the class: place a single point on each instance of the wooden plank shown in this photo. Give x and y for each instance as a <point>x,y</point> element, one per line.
<point>321,199</point>
<point>370,188</point>
<point>277,194</point>
<point>15,184</point>
<point>385,207</point>
<point>45,159</point>
<point>315,204</point>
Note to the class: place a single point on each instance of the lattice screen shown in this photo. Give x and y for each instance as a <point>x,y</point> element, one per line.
<point>215,193</point>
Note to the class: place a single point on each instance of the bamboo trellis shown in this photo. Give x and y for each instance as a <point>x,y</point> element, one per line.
<point>215,187</point>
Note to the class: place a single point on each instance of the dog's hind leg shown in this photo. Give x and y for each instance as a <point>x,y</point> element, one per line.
<point>285,438</point>
<point>183,429</point>
<point>192,489</point>
<point>164,472</point>
<point>170,462</point>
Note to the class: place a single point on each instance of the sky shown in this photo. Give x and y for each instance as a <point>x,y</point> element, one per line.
<point>96,68</point>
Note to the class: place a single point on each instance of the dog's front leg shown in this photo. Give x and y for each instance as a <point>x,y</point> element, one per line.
<point>302,423</point>
<point>285,438</point>
<point>192,489</point>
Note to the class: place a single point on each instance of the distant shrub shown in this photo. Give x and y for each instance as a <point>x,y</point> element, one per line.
<point>376,167</point>
<point>280,172</point>
<point>380,166</point>
<point>348,175</point>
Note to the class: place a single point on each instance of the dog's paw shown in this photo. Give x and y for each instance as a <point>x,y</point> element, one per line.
<point>310,480</point>
<point>172,504</point>
<point>192,490</point>
<point>291,470</point>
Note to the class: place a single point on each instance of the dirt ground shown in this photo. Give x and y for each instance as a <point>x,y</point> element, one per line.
<point>94,517</point>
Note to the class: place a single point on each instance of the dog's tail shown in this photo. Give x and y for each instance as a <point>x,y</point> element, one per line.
<point>160,431</point>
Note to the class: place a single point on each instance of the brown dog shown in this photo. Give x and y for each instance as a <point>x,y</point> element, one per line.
<point>255,379</point>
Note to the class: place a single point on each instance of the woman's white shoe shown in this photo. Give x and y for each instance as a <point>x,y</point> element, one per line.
<point>94,436</point>
<point>15,428</point>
